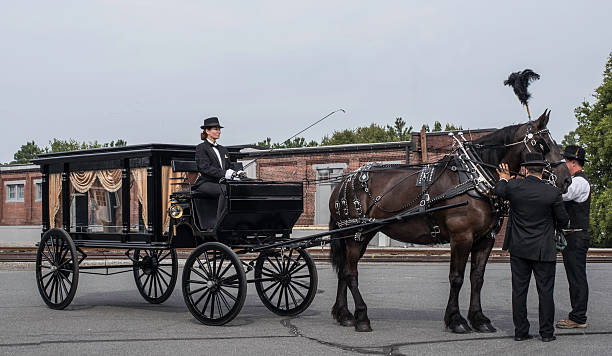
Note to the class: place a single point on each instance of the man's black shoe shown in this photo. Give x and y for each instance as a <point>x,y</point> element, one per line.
<point>523,338</point>
<point>549,338</point>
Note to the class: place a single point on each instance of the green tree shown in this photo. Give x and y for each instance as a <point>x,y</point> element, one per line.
<point>594,133</point>
<point>437,127</point>
<point>295,143</point>
<point>452,127</point>
<point>26,153</point>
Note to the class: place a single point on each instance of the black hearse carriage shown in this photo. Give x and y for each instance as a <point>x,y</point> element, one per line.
<point>138,199</point>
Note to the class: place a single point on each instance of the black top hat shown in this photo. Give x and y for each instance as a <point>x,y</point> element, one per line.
<point>211,122</point>
<point>575,152</point>
<point>534,159</point>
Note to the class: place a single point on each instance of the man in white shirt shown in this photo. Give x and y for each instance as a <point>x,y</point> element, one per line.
<point>577,203</point>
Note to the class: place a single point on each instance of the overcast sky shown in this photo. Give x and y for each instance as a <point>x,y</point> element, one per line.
<point>151,71</point>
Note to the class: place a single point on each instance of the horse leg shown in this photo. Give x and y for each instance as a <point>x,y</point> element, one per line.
<point>460,250</point>
<point>340,310</point>
<point>480,254</point>
<point>356,249</point>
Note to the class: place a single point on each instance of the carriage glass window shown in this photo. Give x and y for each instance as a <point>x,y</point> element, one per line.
<point>38,190</point>
<point>95,201</point>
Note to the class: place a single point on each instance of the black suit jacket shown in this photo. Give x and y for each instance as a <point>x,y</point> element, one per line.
<point>209,166</point>
<point>536,208</point>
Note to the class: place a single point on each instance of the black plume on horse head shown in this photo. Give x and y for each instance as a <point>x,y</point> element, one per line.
<point>519,81</point>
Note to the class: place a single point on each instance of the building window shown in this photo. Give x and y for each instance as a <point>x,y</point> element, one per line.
<point>38,190</point>
<point>14,191</point>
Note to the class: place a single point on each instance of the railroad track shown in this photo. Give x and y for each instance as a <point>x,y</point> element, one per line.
<point>375,255</point>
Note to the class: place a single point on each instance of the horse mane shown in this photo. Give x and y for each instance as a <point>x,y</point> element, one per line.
<point>494,148</point>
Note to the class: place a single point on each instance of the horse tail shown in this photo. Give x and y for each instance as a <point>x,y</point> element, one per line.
<point>338,250</point>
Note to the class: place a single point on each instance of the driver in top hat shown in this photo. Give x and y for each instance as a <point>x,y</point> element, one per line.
<point>213,161</point>
<point>536,209</point>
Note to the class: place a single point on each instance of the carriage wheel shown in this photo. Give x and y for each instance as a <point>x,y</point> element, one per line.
<point>57,268</point>
<point>214,284</point>
<point>286,282</point>
<point>155,274</point>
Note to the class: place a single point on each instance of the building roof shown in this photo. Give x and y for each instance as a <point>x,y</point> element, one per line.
<point>249,152</point>
<point>19,168</point>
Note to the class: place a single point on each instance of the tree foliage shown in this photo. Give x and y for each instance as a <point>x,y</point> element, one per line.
<point>370,134</point>
<point>594,133</point>
<point>29,151</point>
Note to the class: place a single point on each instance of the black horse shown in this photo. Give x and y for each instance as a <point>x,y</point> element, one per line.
<point>470,229</point>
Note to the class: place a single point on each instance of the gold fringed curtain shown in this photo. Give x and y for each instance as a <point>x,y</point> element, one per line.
<point>82,181</point>
<point>55,191</point>
<point>110,179</point>
<point>168,188</point>
<point>140,179</point>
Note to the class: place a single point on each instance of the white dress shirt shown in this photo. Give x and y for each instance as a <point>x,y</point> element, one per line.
<point>214,146</point>
<point>578,191</point>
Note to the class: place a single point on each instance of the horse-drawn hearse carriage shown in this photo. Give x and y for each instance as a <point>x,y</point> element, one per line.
<point>138,199</point>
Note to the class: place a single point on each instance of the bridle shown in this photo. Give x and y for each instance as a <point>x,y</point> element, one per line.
<point>533,145</point>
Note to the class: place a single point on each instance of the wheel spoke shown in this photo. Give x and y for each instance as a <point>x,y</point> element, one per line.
<point>286,298</point>
<point>228,294</point>
<point>222,297</point>
<point>218,298</point>
<point>206,303</point>
<point>298,269</point>
<point>273,265</point>
<point>45,275</point>
<point>302,276</point>
<point>161,278</point>
<point>270,286</point>
<point>55,285</point>
<point>301,284</point>
<point>292,296</point>
<point>195,282</point>
<point>201,297</point>
<point>198,273</point>
<point>225,271</point>
<point>159,259</point>
<point>275,290</point>
<point>208,263</point>
<point>203,269</point>
<point>295,263</point>
<point>212,306</point>
<point>197,290</point>
<point>297,291</point>
<point>280,297</point>
<point>271,273</point>
<point>164,271</point>
<point>66,278</point>
<point>47,285</point>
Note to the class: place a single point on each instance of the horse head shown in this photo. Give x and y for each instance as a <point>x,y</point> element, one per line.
<point>535,137</point>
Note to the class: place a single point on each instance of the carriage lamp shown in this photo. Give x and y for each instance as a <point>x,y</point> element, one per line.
<point>175,211</point>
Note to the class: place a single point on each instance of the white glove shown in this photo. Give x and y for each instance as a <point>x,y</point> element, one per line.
<point>229,174</point>
<point>241,174</point>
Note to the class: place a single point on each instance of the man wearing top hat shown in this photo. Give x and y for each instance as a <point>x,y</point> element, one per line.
<point>213,161</point>
<point>577,203</point>
<point>536,208</point>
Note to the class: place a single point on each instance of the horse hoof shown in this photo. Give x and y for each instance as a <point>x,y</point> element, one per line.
<point>347,322</point>
<point>485,328</point>
<point>460,329</point>
<point>363,327</point>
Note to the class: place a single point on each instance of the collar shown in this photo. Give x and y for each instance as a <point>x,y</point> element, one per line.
<point>534,178</point>
<point>214,144</point>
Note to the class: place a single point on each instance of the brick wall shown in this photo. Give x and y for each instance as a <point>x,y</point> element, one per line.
<point>27,212</point>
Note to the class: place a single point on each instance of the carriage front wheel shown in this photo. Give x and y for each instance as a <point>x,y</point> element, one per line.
<point>286,281</point>
<point>214,284</point>
<point>57,268</point>
<point>155,273</point>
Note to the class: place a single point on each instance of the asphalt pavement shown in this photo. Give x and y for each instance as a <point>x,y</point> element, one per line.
<point>406,304</point>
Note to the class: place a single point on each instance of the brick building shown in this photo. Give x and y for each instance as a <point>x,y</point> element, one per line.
<point>20,189</point>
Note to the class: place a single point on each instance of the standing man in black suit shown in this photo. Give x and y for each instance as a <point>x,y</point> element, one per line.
<point>213,162</point>
<point>578,204</point>
<point>535,209</point>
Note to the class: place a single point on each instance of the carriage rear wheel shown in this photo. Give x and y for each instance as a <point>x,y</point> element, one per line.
<point>57,268</point>
<point>155,273</point>
<point>286,282</point>
<point>214,284</point>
